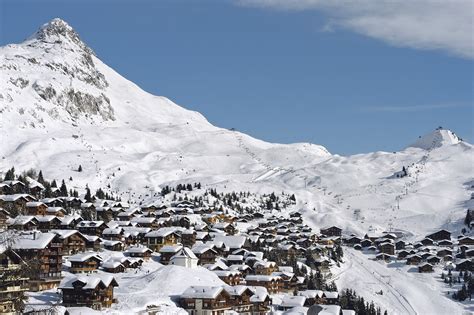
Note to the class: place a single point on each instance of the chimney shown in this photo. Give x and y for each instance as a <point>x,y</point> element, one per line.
<point>34,234</point>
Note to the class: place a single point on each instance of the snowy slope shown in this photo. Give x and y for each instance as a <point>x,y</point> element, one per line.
<point>62,107</point>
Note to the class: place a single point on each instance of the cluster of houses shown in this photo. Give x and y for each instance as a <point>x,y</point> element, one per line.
<point>436,248</point>
<point>53,233</point>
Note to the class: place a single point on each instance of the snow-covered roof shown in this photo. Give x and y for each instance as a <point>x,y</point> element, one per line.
<point>170,248</point>
<point>231,241</point>
<point>81,257</point>
<point>293,301</point>
<point>138,249</point>
<point>201,292</point>
<point>33,240</point>
<point>90,281</point>
<point>185,252</point>
<point>261,278</point>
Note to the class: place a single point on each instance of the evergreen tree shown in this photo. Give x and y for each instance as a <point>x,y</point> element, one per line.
<point>468,218</point>
<point>79,169</point>
<point>88,196</point>
<point>63,189</point>
<point>40,178</point>
<point>10,174</point>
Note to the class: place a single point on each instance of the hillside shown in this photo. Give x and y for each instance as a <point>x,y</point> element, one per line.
<point>62,107</point>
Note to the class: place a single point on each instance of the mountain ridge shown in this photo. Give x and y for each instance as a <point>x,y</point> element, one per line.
<point>61,110</point>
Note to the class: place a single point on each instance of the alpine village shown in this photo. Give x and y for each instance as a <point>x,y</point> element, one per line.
<point>81,246</point>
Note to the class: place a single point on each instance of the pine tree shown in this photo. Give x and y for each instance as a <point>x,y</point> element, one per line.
<point>79,169</point>
<point>468,218</point>
<point>88,196</point>
<point>10,174</point>
<point>40,178</point>
<point>63,189</point>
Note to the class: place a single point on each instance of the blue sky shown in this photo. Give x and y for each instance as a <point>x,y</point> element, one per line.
<point>281,74</point>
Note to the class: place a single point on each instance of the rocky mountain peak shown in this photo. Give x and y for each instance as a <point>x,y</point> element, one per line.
<point>57,31</point>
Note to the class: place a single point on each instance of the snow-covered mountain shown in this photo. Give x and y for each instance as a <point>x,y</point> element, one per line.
<point>62,107</point>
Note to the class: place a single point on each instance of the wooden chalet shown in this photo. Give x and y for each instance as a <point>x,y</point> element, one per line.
<point>36,208</point>
<point>91,227</point>
<point>93,291</point>
<point>230,277</point>
<point>273,284</point>
<point>168,251</point>
<point>12,283</point>
<point>162,237</point>
<point>206,300</point>
<point>84,263</point>
<point>45,249</point>
<point>73,241</point>
<point>140,252</point>
<point>440,235</point>
<point>425,267</point>
<point>205,253</point>
<point>331,231</point>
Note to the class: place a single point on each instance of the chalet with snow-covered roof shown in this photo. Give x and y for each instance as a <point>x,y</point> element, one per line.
<point>35,208</point>
<point>71,202</point>
<point>312,297</point>
<point>273,284</point>
<point>116,246</point>
<point>13,187</point>
<point>91,227</point>
<point>22,223</point>
<point>240,299</point>
<point>113,266</point>
<point>440,235</point>
<point>45,249</point>
<point>11,286</point>
<point>230,277</point>
<point>139,251</point>
<point>425,267</point>
<point>15,204</point>
<point>168,251</point>
<point>206,300</point>
<point>56,211</point>
<point>161,237</point>
<point>466,240</point>
<point>260,300</point>
<point>414,259</point>
<point>113,234</point>
<point>69,222</point>
<point>145,222</point>
<point>48,222</point>
<point>93,291</point>
<point>52,202</point>
<point>331,297</point>
<point>84,262</point>
<point>73,241</point>
<point>289,301</point>
<point>387,248</point>
<point>205,253</point>
<point>92,242</point>
<point>265,267</point>
<point>331,231</point>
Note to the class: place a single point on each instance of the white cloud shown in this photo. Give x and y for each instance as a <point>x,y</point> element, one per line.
<point>421,24</point>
